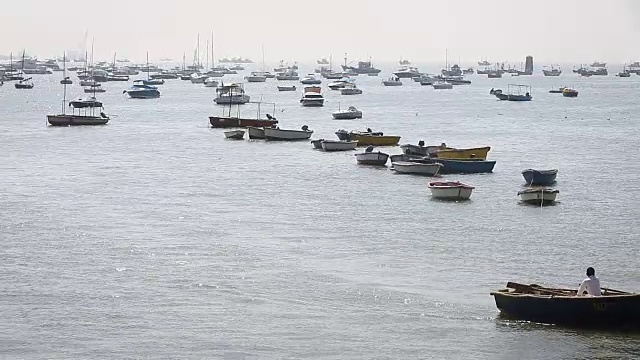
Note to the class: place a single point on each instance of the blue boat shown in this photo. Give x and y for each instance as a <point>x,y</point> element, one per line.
<point>141,91</point>
<point>466,166</point>
<point>614,309</point>
<point>540,177</point>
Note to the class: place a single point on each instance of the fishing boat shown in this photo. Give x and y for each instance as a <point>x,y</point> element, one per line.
<point>338,145</point>
<point>368,157</point>
<point>272,133</point>
<point>141,91</point>
<point>368,138</point>
<point>351,113</point>
<point>83,112</point>
<point>231,94</point>
<point>516,93</point>
<point>540,177</point>
<point>350,89</point>
<point>312,96</point>
<point>392,81</point>
<point>468,153</point>
<point>538,196</point>
<point>450,190</point>
<point>410,167</point>
<point>286,88</point>
<point>614,309</point>
<point>553,71</point>
<point>598,64</point>
<point>570,92</point>
<point>364,67</point>
<point>234,134</point>
<point>230,119</point>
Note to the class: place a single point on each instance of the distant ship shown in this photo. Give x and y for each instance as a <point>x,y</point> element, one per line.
<point>323,61</point>
<point>598,64</point>
<point>364,67</point>
<point>484,63</point>
<point>405,62</point>
<point>236,60</point>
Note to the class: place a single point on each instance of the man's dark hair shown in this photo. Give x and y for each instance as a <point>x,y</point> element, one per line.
<point>591,271</point>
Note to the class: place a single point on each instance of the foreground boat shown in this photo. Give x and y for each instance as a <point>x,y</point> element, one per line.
<point>614,309</point>
<point>338,145</point>
<point>229,119</point>
<point>368,138</point>
<point>368,157</point>
<point>312,96</point>
<point>409,167</point>
<point>450,190</point>
<point>141,91</point>
<point>540,177</point>
<point>538,196</point>
<point>287,134</point>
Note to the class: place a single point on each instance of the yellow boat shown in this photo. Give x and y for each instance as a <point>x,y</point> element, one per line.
<point>364,139</point>
<point>470,153</point>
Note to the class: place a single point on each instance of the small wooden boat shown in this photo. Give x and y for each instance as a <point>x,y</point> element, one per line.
<point>368,138</point>
<point>468,153</point>
<point>410,167</point>
<point>614,309</point>
<point>464,166</point>
<point>234,134</point>
<point>422,150</point>
<point>540,177</point>
<point>287,88</point>
<point>288,135</point>
<point>538,196</point>
<point>338,145</point>
<point>570,92</point>
<point>450,190</point>
<point>368,157</point>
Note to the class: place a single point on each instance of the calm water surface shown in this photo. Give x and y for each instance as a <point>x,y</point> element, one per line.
<point>154,237</point>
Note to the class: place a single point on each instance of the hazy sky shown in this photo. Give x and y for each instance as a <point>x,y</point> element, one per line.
<point>295,30</point>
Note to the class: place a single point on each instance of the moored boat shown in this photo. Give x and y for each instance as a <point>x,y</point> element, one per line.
<point>570,92</point>
<point>540,177</point>
<point>392,81</point>
<point>234,134</point>
<point>538,196</point>
<point>228,119</point>
<point>450,190</point>
<point>369,138</point>
<point>351,113</point>
<point>287,88</point>
<point>463,166</point>
<point>469,153</point>
<point>312,96</point>
<point>422,150</point>
<point>615,309</point>
<point>338,145</point>
<point>410,167</point>
<point>317,144</point>
<point>141,91</point>
<point>231,93</point>
<point>256,133</point>
<point>272,133</point>
<point>368,157</point>
<point>441,85</point>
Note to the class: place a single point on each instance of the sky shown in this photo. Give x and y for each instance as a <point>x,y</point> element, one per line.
<point>559,31</point>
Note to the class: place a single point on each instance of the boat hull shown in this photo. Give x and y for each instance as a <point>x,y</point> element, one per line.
<point>577,311</point>
<point>234,134</point>
<point>286,88</point>
<point>317,144</point>
<point>312,102</point>
<point>392,83</point>
<point>469,153</point>
<point>331,145</point>
<point>366,140</point>
<point>450,191</point>
<point>408,167</point>
<point>231,122</point>
<point>347,115</point>
<point>287,135</point>
<point>540,177</point>
<point>75,120</point>
<point>372,158</point>
<point>450,166</point>
<point>538,196</point>
<point>255,133</point>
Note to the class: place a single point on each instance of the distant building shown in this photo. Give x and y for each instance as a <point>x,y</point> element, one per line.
<point>528,65</point>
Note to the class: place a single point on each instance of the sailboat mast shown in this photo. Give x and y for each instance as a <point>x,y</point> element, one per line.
<point>148,76</point>
<point>213,61</point>
<point>207,55</point>
<point>64,87</point>
<point>198,54</point>
<point>263,67</point>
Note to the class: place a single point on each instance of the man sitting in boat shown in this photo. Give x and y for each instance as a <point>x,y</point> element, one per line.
<point>591,284</point>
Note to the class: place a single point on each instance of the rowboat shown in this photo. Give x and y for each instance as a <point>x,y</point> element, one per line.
<point>287,134</point>
<point>469,153</point>
<point>234,134</point>
<point>421,150</point>
<point>368,138</point>
<point>450,190</point>
<point>339,145</point>
<point>410,167</point>
<point>614,309</point>
<point>538,196</point>
<point>467,166</point>
<point>287,88</point>
<point>540,177</point>
<point>372,158</point>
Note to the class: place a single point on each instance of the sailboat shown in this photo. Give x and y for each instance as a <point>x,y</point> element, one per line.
<point>24,83</point>
<point>257,76</point>
<point>65,80</point>
<point>12,74</point>
<point>83,111</point>
<point>142,90</point>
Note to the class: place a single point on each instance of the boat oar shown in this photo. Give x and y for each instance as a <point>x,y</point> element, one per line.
<point>533,288</point>
<point>615,291</point>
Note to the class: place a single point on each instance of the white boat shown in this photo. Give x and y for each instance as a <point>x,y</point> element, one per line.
<point>288,74</point>
<point>392,81</point>
<point>231,93</point>
<point>97,88</point>
<point>408,167</point>
<point>88,83</point>
<point>198,79</point>
<point>351,113</point>
<point>450,190</point>
<point>340,84</point>
<point>441,85</point>
<point>283,134</point>
<point>287,88</point>
<point>312,96</point>
<point>234,134</point>
<point>407,72</point>
<point>255,132</point>
<point>310,80</point>
<point>338,145</point>
<point>350,89</point>
<point>368,157</point>
<point>210,82</point>
<point>538,196</point>
<point>256,77</point>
